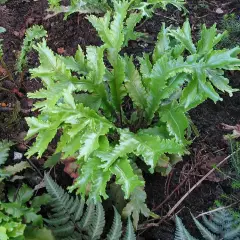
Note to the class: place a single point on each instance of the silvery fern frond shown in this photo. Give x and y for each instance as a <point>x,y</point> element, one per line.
<point>71,220</point>
<point>220,225</point>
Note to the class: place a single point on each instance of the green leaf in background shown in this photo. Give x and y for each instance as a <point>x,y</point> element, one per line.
<point>38,201</point>
<point>53,160</point>
<point>18,167</point>
<point>23,195</point>
<point>3,233</point>
<point>32,233</point>
<point>15,230</point>
<point>13,209</point>
<point>32,217</point>
<point>4,149</point>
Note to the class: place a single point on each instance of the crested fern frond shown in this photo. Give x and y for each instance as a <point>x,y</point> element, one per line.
<point>32,35</point>
<point>220,225</point>
<point>146,8</point>
<point>136,204</point>
<point>134,85</point>
<point>70,221</point>
<point>131,22</point>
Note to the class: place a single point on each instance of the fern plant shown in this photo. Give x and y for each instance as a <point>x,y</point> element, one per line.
<point>146,8</point>
<point>220,225</point>
<point>70,221</point>
<point>85,98</point>
<point>19,218</point>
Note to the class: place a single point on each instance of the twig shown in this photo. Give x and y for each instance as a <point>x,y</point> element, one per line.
<point>176,189</point>
<point>170,212</point>
<point>35,168</point>
<point>196,185</point>
<point>217,209</point>
<point>9,109</point>
<point>5,89</point>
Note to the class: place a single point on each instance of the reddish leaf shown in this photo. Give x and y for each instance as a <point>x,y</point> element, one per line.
<point>61,50</point>
<point>16,91</point>
<point>3,71</point>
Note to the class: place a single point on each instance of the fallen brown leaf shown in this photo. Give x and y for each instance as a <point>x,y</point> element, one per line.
<point>61,50</point>
<point>3,71</point>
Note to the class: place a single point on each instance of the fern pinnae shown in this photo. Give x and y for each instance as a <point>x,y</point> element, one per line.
<point>74,206</point>
<point>88,215</point>
<point>204,231</point>
<point>96,228</point>
<point>181,232</point>
<point>56,191</point>
<point>67,229</point>
<point>61,220</point>
<point>116,228</point>
<point>211,225</point>
<point>217,217</point>
<point>79,207</point>
<point>57,214</point>
<point>232,234</point>
<point>129,235</point>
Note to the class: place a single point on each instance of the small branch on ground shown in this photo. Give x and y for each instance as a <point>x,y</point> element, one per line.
<point>217,209</point>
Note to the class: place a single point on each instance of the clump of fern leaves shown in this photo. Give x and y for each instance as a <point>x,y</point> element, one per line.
<point>101,6</point>
<point>71,221</point>
<point>83,98</point>
<point>231,24</point>
<point>220,225</point>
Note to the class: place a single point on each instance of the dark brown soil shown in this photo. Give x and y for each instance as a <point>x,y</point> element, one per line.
<point>17,15</point>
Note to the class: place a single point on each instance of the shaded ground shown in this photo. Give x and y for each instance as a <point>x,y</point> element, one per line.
<point>17,15</point>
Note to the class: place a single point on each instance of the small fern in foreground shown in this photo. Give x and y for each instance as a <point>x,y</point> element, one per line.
<point>146,8</point>
<point>70,221</point>
<point>220,225</point>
